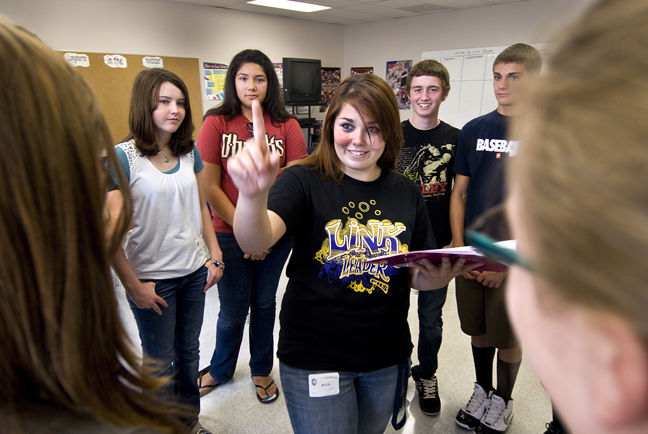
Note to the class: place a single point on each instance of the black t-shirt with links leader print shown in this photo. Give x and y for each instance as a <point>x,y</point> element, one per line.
<point>339,313</point>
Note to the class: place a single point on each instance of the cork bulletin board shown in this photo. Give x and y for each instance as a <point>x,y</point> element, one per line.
<point>111,78</point>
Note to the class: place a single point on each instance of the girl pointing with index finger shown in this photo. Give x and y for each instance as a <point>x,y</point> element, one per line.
<point>344,335</point>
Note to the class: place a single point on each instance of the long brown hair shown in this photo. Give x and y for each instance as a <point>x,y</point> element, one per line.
<point>272,103</point>
<point>372,97</point>
<point>63,343</point>
<point>580,178</point>
<point>144,100</point>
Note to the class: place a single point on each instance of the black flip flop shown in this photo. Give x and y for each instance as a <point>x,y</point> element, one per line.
<point>205,389</point>
<point>269,398</point>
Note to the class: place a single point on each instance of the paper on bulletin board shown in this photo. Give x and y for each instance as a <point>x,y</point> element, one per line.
<point>152,62</point>
<point>115,61</point>
<point>77,60</point>
<point>214,74</point>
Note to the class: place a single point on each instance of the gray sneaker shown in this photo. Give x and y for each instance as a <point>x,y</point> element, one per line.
<point>498,417</point>
<point>469,416</point>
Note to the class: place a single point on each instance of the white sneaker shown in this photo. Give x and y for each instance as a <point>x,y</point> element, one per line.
<point>472,413</point>
<point>498,417</point>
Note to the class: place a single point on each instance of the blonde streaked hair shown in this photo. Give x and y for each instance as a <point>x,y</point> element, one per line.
<point>63,343</point>
<point>372,97</point>
<point>580,179</point>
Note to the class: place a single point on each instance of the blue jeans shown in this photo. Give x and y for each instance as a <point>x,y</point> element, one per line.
<point>430,306</point>
<point>364,405</point>
<point>172,338</point>
<point>247,285</point>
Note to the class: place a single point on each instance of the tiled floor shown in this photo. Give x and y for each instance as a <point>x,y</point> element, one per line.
<point>233,408</point>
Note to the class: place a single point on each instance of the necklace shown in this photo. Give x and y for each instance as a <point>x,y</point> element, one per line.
<point>166,159</point>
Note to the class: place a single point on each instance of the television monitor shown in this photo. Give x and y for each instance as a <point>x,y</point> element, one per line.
<point>302,81</point>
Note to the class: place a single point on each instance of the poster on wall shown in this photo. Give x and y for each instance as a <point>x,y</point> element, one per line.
<point>331,78</point>
<point>396,74</point>
<point>361,70</point>
<point>214,75</point>
<point>278,67</point>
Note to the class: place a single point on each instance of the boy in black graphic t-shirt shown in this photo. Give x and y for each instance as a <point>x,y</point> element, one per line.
<point>427,158</point>
<point>482,151</point>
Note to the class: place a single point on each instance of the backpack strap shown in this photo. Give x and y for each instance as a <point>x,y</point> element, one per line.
<point>400,397</point>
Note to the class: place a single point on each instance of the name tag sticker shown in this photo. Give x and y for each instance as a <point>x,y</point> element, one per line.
<point>325,384</point>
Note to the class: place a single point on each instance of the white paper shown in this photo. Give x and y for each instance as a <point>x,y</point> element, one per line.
<point>115,61</point>
<point>152,62</point>
<point>76,59</point>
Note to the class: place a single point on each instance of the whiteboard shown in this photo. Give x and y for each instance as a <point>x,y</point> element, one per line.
<point>471,82</point>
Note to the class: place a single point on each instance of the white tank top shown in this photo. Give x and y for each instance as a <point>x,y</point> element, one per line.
<point>166,241</point>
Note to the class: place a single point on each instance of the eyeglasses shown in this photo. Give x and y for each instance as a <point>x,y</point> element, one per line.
<point>481,235</point>
<point>250,127</point>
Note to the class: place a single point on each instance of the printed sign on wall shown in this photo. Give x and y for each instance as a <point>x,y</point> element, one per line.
<point>76,59</point>
<point>152,62</point>
<point>115,61</point>
<point>214,75</point>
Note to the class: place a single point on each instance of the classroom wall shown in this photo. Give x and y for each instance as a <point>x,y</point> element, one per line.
<point>533,22</point>
<point>160,27</point>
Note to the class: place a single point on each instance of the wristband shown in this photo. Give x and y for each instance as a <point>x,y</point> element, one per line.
<point>219,264</point>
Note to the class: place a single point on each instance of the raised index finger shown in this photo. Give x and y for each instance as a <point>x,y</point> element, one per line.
<point>258,126</point>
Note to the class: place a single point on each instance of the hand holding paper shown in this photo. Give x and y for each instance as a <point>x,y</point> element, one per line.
<point>427,275</point>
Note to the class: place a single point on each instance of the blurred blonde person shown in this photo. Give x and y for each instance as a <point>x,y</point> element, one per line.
<point>579,209</point>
